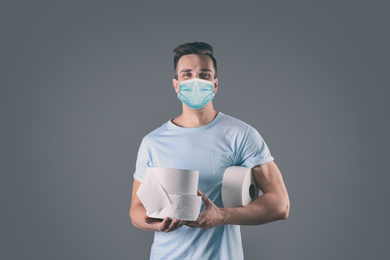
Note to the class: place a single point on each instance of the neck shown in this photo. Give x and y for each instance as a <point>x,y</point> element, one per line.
<point>191,118</point>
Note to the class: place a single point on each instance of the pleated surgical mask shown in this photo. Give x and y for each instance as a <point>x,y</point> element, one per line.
<point>196,93</point>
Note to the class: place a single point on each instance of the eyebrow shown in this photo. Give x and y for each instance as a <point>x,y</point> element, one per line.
<point>188,70</point>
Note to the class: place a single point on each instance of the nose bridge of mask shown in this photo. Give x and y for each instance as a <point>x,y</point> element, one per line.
<point>196,82</point>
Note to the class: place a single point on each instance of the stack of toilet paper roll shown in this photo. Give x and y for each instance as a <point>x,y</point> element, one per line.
<point>238,187</point>
<point>168,192</point>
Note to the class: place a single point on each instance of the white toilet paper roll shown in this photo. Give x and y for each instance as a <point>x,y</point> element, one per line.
<point>183,207</point>
<point>168,192</point>
<point>238,187</point>
<point>178,181</point>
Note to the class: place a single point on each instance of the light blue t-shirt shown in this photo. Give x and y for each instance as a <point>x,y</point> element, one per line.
<point>210,149</point>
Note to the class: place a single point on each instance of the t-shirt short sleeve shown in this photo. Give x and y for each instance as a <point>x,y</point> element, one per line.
<point>143,161</point>
<point>253,150</point>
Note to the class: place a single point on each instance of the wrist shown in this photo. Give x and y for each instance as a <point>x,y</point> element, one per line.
<point>225,213</point>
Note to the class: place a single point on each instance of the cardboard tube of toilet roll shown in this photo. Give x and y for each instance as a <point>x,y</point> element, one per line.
<point>238,187</point>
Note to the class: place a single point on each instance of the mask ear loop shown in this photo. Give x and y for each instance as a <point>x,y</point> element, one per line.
<point>213,85</point>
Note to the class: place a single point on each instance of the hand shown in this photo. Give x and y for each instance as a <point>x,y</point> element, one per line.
<point>211,216</point>
<point>166,225</point>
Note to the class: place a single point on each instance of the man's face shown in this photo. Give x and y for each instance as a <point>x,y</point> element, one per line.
<point>195,66</point>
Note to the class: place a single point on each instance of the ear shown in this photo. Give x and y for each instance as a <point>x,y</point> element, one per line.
<point>215,85</point>
<point>175,85</point>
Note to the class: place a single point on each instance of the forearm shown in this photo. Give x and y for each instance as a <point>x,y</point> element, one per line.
<point>137,215</point>
<point>266,208</point>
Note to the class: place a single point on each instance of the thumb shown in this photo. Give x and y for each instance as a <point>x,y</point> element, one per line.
<point>205,199</point>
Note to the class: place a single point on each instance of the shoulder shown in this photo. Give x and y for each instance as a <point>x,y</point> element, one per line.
<point>238,128</point>
<point>234,123</point>
<point>151,136</point>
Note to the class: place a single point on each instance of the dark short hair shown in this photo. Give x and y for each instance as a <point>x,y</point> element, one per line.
<point>201,48</point>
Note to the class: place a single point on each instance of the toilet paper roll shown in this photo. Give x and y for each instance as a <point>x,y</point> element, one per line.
<point>178,181</point>
<point>169,192</point>
<point>152,194</point>
<point>238,187</point>
<point>183,207</point>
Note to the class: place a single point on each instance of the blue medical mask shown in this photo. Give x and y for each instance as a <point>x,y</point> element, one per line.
<point>196,93</point>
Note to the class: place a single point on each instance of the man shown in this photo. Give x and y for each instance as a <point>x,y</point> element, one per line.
<point>209,141</point>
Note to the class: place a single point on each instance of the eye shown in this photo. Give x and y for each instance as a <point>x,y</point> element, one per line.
<point>187,75</point>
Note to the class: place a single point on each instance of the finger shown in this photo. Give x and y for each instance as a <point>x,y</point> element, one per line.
<point>178,224</point>
<point>150,220</point>
<point>191,224</point>
<point>147,219</point>
<point>202,223</point>
<point>197,223</point>
<point>205,199</point>
<point>165,224</point>
<point>200,220</point>
<point>172,225</point>
<point>168,223</point>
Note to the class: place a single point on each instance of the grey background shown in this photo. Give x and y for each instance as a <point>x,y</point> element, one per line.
<point>82,82</point>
